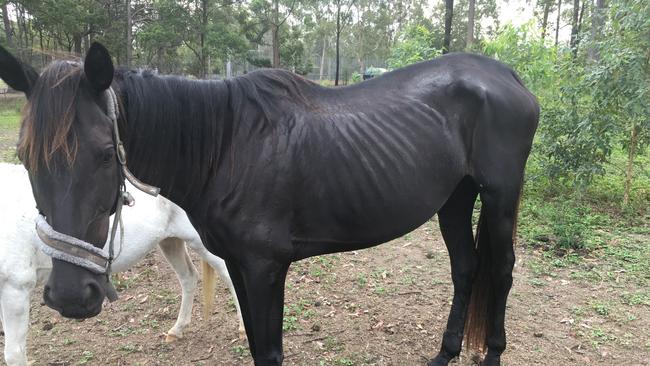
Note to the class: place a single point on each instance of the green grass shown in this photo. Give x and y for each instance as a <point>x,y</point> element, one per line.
<point>10,116</point>
<point>85,357</point>
<point>9,119</point>
<point>589,235</point>
<point>10,111</point>
<point>565,219</point>
<point>241,351</point>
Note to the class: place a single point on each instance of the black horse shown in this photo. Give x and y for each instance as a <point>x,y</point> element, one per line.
<point>272,168</point>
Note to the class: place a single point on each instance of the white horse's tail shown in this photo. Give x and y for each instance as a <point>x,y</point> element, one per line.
<point>209,280</point>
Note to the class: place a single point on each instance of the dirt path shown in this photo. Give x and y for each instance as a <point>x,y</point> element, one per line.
<point>383,306</point>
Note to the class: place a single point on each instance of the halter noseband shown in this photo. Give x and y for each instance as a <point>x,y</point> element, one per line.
<point>83,254</point>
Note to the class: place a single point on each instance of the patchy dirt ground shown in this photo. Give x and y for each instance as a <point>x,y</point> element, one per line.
<point>383,306</point>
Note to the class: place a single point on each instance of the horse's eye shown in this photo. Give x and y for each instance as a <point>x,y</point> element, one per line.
<point>108,156</point>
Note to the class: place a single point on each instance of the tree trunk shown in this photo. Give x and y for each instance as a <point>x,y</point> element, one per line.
<point>547,9</point>
<point>86,41</point>
<point>76,39</point>
<point>322,60</point>
<point>22,38</point>
<point>203,52</point>
<point>629,175</point>
<point>43,56</point>
<point>329,68</point>
<point>557,24</point>
<point>596,30</point>
<point>338,38</point>
<point>449,15</point>
<point>574,27</point>
<point>9,32</point>
<point>338,58</point>
<point>577,42</point>
<point>275,45</point>
<point>470,25</point>
<point>129,34</point>
<point>275,30</point>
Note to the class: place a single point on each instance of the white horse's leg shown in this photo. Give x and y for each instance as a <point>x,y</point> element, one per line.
<point>174,251</point>
<point>14,304</point>
<point>220,266</point>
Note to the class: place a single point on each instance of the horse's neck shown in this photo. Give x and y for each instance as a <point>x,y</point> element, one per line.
<point>173,132</point>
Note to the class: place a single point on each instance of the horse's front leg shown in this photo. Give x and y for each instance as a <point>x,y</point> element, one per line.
<point>263,282</point>
<point>14,306</point>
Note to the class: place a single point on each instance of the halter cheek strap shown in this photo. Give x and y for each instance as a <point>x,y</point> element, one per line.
<point>83,254</point>
<point>113,114</point>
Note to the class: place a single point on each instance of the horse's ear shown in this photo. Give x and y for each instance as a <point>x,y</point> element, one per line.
<point>98,67</point>
<point>17,75</point>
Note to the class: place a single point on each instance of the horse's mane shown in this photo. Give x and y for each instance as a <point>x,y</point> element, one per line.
<point>170,118</point>
<point>268,88</point>
<point>47,129</point>
<point>189,124</point>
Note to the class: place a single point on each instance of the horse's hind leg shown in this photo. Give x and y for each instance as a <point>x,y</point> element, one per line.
<point>219,266</point>
<point>501,206</point>
<point>455,219</point>
<point>174,251</point>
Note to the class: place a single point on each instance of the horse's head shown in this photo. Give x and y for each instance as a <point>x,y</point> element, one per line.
<point>67,144</point>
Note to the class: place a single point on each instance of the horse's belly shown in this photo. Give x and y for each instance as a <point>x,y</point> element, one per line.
<point>364,208</point>
<point>373,176</point>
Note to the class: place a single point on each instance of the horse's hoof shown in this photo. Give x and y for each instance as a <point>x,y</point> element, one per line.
<point>171,338</point>
<point>242,334</point>
<point>440,360</point>
<point>489,361</point>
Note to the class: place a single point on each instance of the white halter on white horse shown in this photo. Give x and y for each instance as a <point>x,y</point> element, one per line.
<point>154,221</point>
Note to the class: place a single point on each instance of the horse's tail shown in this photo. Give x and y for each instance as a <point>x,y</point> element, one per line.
<point>209,279</point>
<point>479,312</point>
<point>480,309</point>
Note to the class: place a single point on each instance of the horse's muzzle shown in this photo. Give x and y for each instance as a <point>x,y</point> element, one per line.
<point>83,304</point>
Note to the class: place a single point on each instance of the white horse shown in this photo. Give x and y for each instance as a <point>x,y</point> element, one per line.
<point>153,221</point>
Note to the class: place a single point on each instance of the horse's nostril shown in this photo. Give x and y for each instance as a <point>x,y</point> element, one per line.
<point>92,292</point>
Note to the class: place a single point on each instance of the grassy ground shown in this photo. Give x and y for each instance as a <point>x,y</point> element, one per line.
<point>10,109</point>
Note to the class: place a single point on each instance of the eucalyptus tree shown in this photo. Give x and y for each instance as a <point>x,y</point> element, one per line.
<point>208,29</point>
<point>485,22</point>
<point>273,14</point>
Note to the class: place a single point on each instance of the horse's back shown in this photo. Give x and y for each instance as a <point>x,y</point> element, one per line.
<point>383,156</point>
<point>355,166</point>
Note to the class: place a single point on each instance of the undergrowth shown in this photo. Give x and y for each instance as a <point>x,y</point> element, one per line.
<point>560,217</point>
